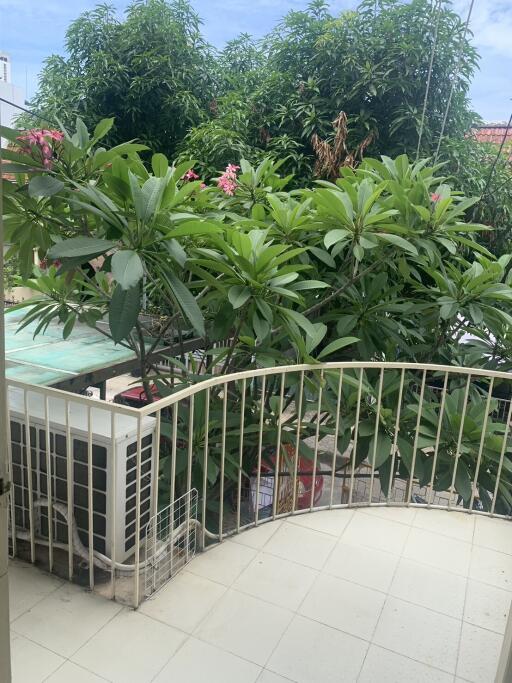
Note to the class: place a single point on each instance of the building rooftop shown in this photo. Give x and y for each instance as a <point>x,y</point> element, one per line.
<point>387,595</point>
<point>492,132</point>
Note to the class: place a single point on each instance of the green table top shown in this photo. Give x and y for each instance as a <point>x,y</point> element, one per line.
<point>49,359</point>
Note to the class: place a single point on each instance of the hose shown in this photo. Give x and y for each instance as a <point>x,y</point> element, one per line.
<point>100,560</point>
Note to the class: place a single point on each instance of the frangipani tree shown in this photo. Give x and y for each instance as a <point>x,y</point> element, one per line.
<point>379,265</point>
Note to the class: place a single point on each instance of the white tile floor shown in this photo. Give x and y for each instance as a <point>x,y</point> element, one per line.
<point>374,596</point>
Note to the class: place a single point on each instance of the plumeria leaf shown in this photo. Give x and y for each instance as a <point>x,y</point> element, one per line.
<point>337,345</point>
<point>123,312</point>
<point>127,268</point>
<point>238,295</point>
<point>44,186</point>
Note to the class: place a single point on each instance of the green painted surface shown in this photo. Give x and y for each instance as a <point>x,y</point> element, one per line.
<point>48,359</point>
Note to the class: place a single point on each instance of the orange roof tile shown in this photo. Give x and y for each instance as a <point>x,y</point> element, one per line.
<point>492,133</point>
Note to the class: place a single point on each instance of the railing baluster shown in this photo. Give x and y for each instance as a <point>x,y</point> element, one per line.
<point>138,465</point>
<point>502,457</point>
<point>356,432</point>
<point>223,460</point>
<point>481,445</point>
<point>113,503</point>
<point>297,440</point>
<point>430,490</point>
<point>190,455</point>
<point>376,431</point>
<point>459,441</point>
<point>240,456</point>
<point>69,487</point>
<point>156,524</point>
<point>30,482</point>
<point>416,437</point>
<point>12,502</point>
<point>90,498</point>
<point>336,433</point>
<point>48,481</point>
<point>205,464</point>
<point>275,501</point>
<point>260,446</point>
<point>317,438</point>
<point>156,462</point>
<point>395,437</point>
<point>172,491</point>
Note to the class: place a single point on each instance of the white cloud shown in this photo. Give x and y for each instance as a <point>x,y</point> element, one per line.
<point>491,24</point>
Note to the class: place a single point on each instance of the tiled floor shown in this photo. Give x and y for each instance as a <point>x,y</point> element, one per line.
<point>374,596</point>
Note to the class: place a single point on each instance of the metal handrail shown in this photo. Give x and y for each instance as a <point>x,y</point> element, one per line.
<point>238,440</point>
<point>347,365</point>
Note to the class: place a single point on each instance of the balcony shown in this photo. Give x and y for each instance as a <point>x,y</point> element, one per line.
<point>339,522</point>
<point>366,595</point>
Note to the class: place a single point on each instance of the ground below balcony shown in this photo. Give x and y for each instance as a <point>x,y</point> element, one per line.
<point>376,596</point>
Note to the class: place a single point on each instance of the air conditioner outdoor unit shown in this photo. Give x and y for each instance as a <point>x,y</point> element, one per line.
<point>113,475</point>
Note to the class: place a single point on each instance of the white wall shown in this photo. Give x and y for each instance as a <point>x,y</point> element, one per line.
<point>5,67</point>
<point>9,113</point>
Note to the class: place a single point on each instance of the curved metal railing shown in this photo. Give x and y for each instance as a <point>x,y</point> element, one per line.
<point>256,445</point>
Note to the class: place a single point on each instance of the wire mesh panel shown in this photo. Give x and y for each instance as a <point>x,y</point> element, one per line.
<point>170,541</point>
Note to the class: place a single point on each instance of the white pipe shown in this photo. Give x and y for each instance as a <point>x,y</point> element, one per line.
<point>100,560</point>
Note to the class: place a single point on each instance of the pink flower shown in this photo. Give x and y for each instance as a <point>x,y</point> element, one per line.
<point>38,136</point>
<point>189,176</point>
<point>30,137</point>
<point>434,197</point>
<point>227,185</point>
<point>202,186</point>
<point>228,180</point>
<point>37,142</point>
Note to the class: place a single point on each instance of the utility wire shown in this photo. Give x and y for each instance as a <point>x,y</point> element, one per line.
<point>429,76</point>
<point>455,75</point>
<point>27,111</point>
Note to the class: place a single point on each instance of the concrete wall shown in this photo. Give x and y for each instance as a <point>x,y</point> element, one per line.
<point>19,294</point>
<point>9,113</point>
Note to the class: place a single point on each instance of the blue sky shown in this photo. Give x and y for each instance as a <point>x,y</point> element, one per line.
<point>30,30</point>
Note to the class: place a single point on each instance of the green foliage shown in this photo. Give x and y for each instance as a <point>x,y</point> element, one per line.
<point>478,173</point>
<point>463,438</point>
<point>381,264</point>
<point>153,71</point>
<point>371,63</point>
<point>390,261</point>
<point>10,272</point>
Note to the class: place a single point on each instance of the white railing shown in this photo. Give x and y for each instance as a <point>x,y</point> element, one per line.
<point>257,445</point>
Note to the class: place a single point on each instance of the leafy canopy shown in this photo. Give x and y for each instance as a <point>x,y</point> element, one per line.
<point>165,85</point>
<point>381,263</point>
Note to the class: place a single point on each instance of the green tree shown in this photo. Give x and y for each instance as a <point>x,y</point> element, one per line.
<point>380,264</point>
<point>371,63</point>
<point>153,71</point>
<point>478,172</point>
